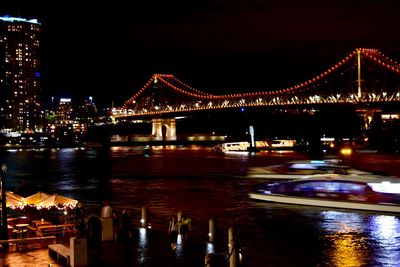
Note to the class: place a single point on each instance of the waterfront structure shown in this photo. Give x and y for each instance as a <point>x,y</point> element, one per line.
<point>377,78</point>
<point>365,82</point>
<point>67,123</point>
<point>64,110</point>
<point>20,105</point>
<point>4,228</point>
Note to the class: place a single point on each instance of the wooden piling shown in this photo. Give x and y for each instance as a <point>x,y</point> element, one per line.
<point>209,260</point>
<point>144,222</point>
<point>179,216</point>
<point>212,232</point>
<point>234,260</point>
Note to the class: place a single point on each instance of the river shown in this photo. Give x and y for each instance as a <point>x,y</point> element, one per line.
<point>204,184</point>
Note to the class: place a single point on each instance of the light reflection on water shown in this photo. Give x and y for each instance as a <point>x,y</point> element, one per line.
<point>205,185</point>
<point>179,247</point>
<point>210,248</point>
<point>143,246</point>
<point>385,230</point>
<point>341,222</point>
<point>345,232</point>
<point>357,239</point>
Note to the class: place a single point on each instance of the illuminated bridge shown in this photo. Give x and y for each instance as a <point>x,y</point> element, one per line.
<point>364,76</point>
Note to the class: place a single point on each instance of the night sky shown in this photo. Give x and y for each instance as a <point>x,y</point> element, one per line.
<point>110,49</point>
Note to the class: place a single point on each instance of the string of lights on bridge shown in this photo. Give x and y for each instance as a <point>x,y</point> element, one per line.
<point>393,67</point>
<point>279,96</point>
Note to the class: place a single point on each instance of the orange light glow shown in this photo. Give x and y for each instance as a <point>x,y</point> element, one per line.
<point>346,151</point>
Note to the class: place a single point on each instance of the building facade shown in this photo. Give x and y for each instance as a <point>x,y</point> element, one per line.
<point>67,123</point>
<point>20,104</point>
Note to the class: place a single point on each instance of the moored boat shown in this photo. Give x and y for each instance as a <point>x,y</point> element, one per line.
<point>232,147</point>
<point>371,193</point>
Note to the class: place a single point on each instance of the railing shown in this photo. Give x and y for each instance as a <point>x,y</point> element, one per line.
<point>28,242</point>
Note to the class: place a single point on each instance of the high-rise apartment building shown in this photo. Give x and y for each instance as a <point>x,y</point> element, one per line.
<point>20,105</point>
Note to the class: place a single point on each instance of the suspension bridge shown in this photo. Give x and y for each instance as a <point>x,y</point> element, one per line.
<point>363,76</point>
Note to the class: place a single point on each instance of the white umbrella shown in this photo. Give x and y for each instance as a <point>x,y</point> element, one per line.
<point>36,198</point>
<point>55,200</point>
<point>13,200</point>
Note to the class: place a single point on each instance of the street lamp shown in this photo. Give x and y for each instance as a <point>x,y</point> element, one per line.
<point>4,228</point>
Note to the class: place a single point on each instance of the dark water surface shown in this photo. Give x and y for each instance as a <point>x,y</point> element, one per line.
<point>203,185</point>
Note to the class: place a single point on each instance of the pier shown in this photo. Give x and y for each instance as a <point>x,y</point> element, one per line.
<point>145,246</point>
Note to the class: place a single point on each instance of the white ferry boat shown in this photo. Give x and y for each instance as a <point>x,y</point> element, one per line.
<point>244,146</point>
<point>232,147</point>
<point>302,169</point>
<point>370,193</point>
<point>282,143</point>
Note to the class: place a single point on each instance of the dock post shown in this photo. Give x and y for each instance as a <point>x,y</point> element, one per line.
<point>234,260</point>
<point>211,232</point>
<point>78,252</point>
<point>179,216</point>
<point>107,232</point>
<point>209,260</point>
<point>144,221</point>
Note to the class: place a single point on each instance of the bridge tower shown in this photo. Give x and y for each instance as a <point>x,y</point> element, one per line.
<point>359,73</point>
<point>164,129</point>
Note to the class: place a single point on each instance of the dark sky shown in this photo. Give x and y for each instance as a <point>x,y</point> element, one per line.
<point>108,49</point>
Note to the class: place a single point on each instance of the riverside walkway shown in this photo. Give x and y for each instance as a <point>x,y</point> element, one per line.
<point>148,247</point>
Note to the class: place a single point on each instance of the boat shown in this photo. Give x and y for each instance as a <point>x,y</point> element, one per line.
<point>245,146</point>
<point>302,169</point>
<point>282,144</point>
<point>371,193</point>
<point>232,147</point>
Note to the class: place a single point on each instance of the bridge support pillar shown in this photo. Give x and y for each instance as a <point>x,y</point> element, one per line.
<point>367,114</point>
<point>164,129</point>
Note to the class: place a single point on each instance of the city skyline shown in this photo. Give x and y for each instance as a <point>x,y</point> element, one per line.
<point>215,46</point>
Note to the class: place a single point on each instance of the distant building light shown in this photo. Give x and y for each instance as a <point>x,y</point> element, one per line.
<point>390,116</point>
<point>65,100</point>
<point>13,19</point>
<point>327,139</point>
<point>13,134</point>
